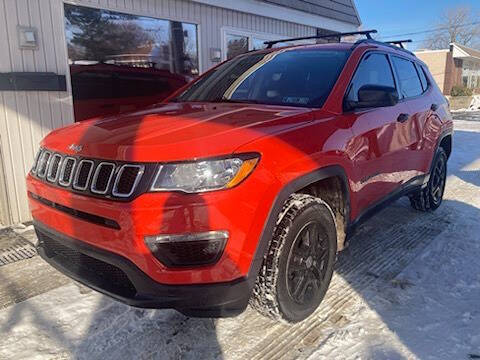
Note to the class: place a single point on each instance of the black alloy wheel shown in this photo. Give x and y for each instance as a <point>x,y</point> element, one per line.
<point>306,263</point>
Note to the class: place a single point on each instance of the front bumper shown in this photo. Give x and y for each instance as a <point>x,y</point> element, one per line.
<point>120,228</point>
<point>122,280</point>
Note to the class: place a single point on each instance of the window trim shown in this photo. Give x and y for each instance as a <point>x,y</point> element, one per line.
<point>367,53</point>
<point>419,68</point>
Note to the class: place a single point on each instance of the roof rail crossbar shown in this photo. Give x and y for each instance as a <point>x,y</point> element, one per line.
<point>399,42</point>
<point>375,42</point>
<point>367,33</point>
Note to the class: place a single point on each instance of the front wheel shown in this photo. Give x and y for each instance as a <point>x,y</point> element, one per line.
<point>298,266</point>
<point>430,198</point>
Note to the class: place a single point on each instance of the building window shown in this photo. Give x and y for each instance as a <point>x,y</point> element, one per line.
<point>238,42</point>
<point>132,61</point>
<point>236,45</point>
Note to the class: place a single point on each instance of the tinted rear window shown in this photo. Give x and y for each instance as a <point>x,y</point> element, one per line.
<point>286,77</point>
<point>410,84</point>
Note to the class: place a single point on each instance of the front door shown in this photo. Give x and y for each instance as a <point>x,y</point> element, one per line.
<point>378,148</point>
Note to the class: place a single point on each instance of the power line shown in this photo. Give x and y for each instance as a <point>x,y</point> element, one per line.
<point>429,30</point>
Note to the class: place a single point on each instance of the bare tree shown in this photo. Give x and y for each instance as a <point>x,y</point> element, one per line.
<point>460,25</point>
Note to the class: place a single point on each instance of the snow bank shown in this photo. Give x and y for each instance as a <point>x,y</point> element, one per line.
<point>474,105</point>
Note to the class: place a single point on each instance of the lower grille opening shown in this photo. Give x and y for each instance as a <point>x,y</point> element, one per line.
<point>94,271</point>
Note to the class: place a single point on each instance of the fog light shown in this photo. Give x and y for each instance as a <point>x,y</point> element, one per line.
<point>188,249</point>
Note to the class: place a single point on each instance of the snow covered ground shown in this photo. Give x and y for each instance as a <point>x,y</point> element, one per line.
<point>407,287</point>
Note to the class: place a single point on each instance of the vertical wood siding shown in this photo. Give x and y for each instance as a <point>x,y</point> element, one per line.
<point>342,10</point>
<point>26,117</point>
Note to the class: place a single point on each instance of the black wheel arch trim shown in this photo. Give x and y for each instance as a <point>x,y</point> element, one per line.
<point>443,135</point>
<point>290,188</point>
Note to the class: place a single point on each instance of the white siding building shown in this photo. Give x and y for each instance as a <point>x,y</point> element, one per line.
<point>36,62</point>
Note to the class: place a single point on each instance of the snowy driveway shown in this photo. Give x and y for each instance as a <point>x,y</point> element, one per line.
<point>408,287</point>
<point>467,115</point>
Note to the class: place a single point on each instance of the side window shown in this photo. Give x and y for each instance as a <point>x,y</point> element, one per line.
<point>423,77</point>
<point>410,84</point>
<point>373,70</point>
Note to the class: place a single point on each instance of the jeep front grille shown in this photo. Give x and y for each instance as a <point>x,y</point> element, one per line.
<point>90,176</point>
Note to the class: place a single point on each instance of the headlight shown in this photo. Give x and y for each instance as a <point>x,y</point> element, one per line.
<point>204,175</point>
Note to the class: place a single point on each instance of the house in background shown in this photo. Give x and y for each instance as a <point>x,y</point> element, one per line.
<point>45,44</point>
<point>457,66</point>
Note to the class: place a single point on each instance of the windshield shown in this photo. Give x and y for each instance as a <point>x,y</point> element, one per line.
<point>285,77</point>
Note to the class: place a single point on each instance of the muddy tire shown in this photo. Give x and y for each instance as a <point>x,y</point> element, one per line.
<point>298,265</point>
<point>430,198</point>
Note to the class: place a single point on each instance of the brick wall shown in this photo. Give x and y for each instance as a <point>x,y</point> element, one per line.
<point>437,63</point>
<point>453,73</point>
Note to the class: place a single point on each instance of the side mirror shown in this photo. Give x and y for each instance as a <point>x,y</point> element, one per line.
<point>372,96</point>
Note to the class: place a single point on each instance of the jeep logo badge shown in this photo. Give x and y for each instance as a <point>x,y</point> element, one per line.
<point>76,148</point>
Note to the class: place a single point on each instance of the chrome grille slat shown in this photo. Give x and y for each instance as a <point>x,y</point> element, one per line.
<point>79,172</point>
<point>55,163</point>
<point>43,164</point>
<point>65,171</point>
<point>97,183</point>
<point>131,189</point>
<point>35,162</point>
<point>90,176</point>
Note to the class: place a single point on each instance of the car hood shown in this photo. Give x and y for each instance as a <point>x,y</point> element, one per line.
<point>175,131</point>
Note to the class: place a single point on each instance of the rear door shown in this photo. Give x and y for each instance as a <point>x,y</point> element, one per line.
<point>413,92</point>
<point>378,147</point>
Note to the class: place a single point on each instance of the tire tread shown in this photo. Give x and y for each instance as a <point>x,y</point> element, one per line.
<point>264,298</point>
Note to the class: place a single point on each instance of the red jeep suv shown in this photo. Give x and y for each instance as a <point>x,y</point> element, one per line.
<point>242,186</point>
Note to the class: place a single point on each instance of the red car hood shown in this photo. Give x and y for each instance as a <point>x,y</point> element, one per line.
<point>175,131</point>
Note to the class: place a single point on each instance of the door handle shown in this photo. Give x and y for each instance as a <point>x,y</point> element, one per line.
<point>403,117</point>
<point>434,107</point>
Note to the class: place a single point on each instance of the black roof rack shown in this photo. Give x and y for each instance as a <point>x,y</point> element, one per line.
<point>375,42</point>
<point>325,36</point>
<point>399,42</point>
